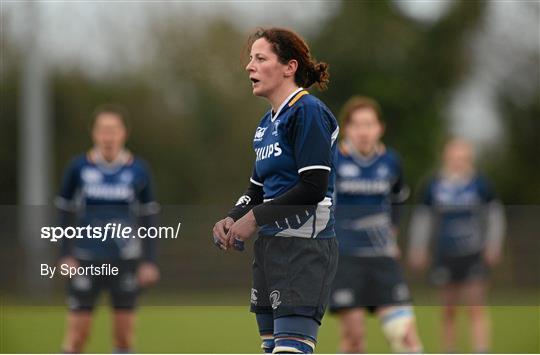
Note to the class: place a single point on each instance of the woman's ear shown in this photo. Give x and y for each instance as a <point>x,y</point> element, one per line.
<point>383,128</point>
<point>291,68</point>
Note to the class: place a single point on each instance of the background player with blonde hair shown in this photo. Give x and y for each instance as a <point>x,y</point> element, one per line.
<point>460,214</point>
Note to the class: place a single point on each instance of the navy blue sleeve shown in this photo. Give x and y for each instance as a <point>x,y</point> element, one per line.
<point>400,193</point>
<point>255,179</point>
<point>70,183</point>
<point>487,193</point>
<point>148,210</point>
<point>426,194</point>
<point>312,134</point>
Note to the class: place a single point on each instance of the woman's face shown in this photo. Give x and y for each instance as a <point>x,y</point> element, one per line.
<point>265,71</point>
<point>364,129</point>
<point>458,157</point>
<point>109,134</point>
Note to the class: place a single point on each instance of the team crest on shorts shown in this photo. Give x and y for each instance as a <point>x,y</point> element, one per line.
<point>274,299</point>
<point>401,292</point>
<point>253,296</point>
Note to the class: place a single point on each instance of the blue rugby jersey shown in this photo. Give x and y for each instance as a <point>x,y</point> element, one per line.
<point>365,190</point>
<point>458,207</point>
<point>300,136</point>
<point>101,193</point>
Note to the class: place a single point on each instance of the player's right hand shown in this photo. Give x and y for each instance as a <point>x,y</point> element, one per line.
<point>69,260</point>
<point>220,232</point>
<point>418,260</point>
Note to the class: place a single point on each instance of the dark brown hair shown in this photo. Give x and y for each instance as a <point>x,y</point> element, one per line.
<point>357,103</point>
<point>112,108</point>
<point>288,45</point>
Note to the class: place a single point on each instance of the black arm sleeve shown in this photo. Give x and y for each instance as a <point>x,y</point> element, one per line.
<point>310,190</point>
<point>149,244</point>
<point>67,218</point>
<point>251,198</point>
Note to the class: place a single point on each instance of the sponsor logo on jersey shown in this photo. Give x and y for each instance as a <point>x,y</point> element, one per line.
<point>108,191</point>
<point>274,299</point>
<point>453,199</point>
<point>364,186</point>
<point>271,150</point>
<point>259,134</point>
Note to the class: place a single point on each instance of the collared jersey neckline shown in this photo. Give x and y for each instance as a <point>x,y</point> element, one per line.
<point>285,103</point>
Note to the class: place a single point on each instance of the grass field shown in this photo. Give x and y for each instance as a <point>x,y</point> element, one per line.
<point>192,329</point>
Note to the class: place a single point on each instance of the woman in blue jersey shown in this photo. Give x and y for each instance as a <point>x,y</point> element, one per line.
<point>289,199</point>
<point>369,181</point>
<point>459,212</point>
<point>104,186</point>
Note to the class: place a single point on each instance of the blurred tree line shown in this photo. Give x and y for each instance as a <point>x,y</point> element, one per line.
<point>193,114</point>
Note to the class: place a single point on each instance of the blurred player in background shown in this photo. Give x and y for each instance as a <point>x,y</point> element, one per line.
<point>290,195</point>
<point>369,181</point>
<point>107,185</point>
<point>460,213</point>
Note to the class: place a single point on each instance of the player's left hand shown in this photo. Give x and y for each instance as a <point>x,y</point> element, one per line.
<point>242,229</point>
<point>147,274</point>
<point>492,257</point>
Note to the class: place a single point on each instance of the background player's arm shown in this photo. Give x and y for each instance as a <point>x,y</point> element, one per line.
<point>400,193</point>
<point>420,231</point>
<point>495,232</point>
<point>147,272</point>
<point>495,224</point>
<point>67,211</point>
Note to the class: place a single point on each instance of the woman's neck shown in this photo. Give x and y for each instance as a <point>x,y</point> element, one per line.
<point>367,153</point>
<point>281,94</point>
<point>110,158</point>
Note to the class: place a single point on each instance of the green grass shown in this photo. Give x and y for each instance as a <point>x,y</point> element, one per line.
<point>181,329</point>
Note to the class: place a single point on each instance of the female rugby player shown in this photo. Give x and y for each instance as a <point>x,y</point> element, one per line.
<point>107,185</point>
<point>289,199</point>
<point>458,209</point>
<point>368,181</point>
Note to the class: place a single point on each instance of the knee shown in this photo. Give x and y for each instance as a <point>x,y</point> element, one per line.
<point>352,346</point>
<point>399,328</point>
<point>353,339</point>
<point>76,339</point>
<point>477,312</point>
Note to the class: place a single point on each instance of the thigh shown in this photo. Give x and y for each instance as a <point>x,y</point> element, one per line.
<point>123,287</point>
<point>388,283</point>
<point>299,274</point>
<point>83,290</point>
<point>260,297</point>
<point>352,319</point>
<point>350,284</point>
